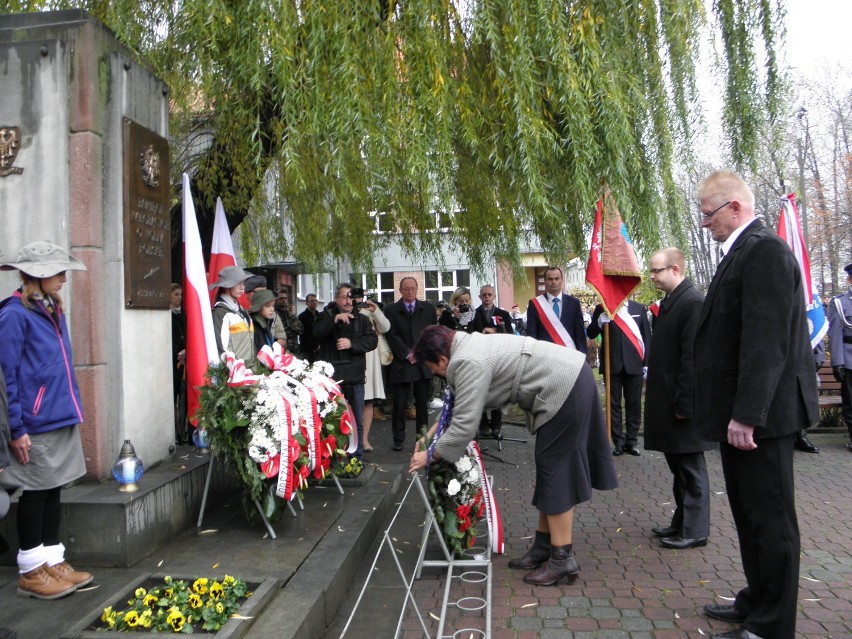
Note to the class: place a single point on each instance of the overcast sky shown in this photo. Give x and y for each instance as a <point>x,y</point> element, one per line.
<point>818,31</point>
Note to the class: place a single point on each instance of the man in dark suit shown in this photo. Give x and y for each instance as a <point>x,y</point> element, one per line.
<point>626,370</point>
<point>565,307</point>
<point>669,427</point>
<point>755,388</point>
<point>490,319</point>
<point>408,317</point>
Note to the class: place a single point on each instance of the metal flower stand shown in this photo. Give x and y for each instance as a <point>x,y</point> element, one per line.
<point>257,505</point>
<point>475,568</point>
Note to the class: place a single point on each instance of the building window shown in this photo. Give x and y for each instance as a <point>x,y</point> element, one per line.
<point>439,285</point>
<point>380,284</point>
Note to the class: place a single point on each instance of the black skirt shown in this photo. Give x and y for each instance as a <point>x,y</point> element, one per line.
<point>572,451</point>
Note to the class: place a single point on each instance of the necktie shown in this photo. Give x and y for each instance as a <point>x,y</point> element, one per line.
<point>411,309</point>
<point>556,306</point>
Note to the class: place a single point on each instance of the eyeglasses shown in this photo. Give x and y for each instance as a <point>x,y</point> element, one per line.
<point>657,271</point>
<point>707,216</point>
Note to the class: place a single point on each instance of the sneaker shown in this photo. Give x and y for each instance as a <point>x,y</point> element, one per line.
<point>42,584</point>
<point>437,403</point>
<point>66,572</point>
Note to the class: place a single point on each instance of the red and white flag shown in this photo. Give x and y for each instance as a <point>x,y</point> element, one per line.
<point>790,230</point>
<point>613,270</point>
<point>221,252</point>
<point>201,348</point>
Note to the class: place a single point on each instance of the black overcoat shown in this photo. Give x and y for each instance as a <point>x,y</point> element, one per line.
<point>669,389</point>
<point>404,332</point>
<point>753,359</point>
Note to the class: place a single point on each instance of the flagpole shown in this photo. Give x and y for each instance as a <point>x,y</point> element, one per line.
<point>607,382</point>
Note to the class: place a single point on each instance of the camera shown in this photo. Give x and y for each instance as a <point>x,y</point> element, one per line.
<point>361,305</point>
<point>356,292</point>
<point>464,308</point>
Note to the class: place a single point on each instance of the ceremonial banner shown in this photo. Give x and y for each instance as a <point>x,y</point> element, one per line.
<point>201,348</point>
<point>613,270</point>
<point>790,230</point>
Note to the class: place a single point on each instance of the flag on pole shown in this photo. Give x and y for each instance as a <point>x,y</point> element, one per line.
<point>201,348</point>
<point>613,270</point>
<point>790,230</point>
<point>221,251</point>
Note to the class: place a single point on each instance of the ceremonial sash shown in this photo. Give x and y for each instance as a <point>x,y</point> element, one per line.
<point>551,323</point>
<point>624,320</point>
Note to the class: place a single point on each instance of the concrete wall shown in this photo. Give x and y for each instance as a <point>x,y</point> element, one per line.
<point>67,82</point>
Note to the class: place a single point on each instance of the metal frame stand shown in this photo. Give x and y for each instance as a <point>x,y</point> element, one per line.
<point>476,569</point>
<point>263,517</point>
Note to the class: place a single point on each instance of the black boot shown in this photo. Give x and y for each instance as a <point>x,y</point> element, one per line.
<point>537,554</point>
<point>561,565</point>
<point>804,444</point>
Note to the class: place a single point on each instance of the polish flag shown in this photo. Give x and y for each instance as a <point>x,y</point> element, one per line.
<point>221,252</point>
<point>201,348</point>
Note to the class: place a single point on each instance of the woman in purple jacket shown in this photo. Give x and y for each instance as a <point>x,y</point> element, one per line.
<point>44,412</point>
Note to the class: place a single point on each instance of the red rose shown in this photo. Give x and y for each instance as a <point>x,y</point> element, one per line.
<point>463,511</point>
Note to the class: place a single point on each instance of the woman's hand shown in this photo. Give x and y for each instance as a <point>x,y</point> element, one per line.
<point>21,448</point>
<point>418,461</point>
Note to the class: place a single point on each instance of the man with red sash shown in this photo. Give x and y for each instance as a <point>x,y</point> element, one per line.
<point>556,317</point>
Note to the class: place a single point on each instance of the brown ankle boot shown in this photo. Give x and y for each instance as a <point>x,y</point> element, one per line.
<point>42,584</point>
<point>537,554</point>
<point>561,565</point>
<point>65,572</point>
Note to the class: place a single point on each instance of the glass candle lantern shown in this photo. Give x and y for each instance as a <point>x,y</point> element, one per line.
<point>128,468</point>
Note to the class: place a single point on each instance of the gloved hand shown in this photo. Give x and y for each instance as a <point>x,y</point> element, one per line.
<point>839,373</point>
<point>603,319</point>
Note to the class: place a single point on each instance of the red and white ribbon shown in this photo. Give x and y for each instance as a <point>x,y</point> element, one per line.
<point>492,512</point>
<point>238,374</point>
<point>275,357</point>
<point>347,420</point>
<point>285,487</point>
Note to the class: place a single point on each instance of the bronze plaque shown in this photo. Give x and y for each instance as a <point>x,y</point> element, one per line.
<point>147,219</point>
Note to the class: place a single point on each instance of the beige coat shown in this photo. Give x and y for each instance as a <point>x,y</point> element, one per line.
<point>487,372</point>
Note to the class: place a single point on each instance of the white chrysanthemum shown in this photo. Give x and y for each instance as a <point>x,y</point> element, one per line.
<point>453,487</point>
<point>472,477</point>
<point>464,464</point>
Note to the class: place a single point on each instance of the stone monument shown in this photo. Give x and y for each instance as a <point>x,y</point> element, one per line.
<point>84,163</point>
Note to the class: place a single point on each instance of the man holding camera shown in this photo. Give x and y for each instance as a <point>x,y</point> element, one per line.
<point>345,336</point>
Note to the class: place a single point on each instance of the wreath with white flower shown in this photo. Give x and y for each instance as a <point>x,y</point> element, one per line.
<point>278,426</point>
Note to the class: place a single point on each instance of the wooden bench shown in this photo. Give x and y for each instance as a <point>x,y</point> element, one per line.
<point>829,388</point>
<point>829,398</point>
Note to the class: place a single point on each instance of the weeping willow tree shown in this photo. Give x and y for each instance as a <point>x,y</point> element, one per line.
<point>505,119</point>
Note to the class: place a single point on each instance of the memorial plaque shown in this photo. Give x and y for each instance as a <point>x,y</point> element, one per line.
<point>147,218</point>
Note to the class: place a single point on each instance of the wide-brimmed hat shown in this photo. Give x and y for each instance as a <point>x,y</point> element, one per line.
<point>229,277</point>
<point>261,299</point>
<point>255,282</point>
<point>43,259</point>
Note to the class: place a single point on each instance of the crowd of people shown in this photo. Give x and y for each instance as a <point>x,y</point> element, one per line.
<point>731,369</point>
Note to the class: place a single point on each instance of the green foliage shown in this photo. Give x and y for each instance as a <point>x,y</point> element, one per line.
<point>220,411</point>
<point>512,114</point>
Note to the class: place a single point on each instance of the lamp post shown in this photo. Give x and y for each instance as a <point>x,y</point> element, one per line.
<point>801,146</point>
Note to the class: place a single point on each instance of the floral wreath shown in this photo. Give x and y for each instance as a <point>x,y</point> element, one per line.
<point>282,424</point>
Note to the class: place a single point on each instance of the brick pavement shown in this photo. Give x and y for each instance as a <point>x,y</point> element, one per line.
<point>629,586</point>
